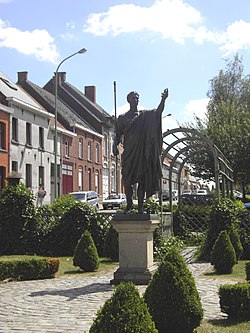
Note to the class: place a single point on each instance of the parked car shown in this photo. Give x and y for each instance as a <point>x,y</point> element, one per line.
<point>89,197</point>
<point>175,194</point>
<point>165,195</point>
<point>187,192</point>
<point>115,201</point>
<point>202,192</point>
<point>247,205</point>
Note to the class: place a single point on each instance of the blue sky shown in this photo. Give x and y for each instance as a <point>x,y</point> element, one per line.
<point>142,45</point>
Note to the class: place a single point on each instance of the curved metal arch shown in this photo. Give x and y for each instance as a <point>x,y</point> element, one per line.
<point>198,145</point>
<point>197,139</point>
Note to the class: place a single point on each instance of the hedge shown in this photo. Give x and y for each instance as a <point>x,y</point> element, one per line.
<point>29,269</point>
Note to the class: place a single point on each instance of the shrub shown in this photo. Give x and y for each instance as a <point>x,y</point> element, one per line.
<point>223,256</point>
<point>235,301</point>
<point>29,269</point>
<point>80,217</point>
<point>124,312</point>
<point>111,248</point>
<point>224,216</point>
<point>17,210</point>
<point>162,246</point>
<point>172,297</point>
<point>235,240</point>
<point>245,234</point>
<point>247,268</point>
<point>85,254</point>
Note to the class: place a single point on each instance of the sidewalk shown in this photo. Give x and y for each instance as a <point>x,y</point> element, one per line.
<point>69,304</point>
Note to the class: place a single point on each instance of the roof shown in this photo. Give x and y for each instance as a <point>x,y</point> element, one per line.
<point>15,93</point>
<point>89,110</point>
<point>47,99</point>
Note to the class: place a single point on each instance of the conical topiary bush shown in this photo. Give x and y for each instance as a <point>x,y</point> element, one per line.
<point>172,297</point>
<point>124,312</point>
<point>85,254</point>
<point>223,256</point>
<point>235,240</point>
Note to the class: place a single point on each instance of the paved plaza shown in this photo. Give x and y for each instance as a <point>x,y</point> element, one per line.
<point>69,304</point>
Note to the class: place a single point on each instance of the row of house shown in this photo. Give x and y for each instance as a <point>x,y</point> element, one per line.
<point>27,131</point>
<point>85,133</point>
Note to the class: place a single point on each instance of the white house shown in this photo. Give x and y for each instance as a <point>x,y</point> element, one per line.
<point>31,139</point>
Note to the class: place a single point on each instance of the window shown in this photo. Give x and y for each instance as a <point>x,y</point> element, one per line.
<point>97,153</point>
<point>14,166</point>
<point>89,179</point>
<point>80,148</point>
<point>66,148</point>
<point>41,137</point>
<point>113,177</point>
<point>15,129</point>
<point>2,177</point>
<point>111,145</point>
<point>80,178</point>
<point>105,145</point>
<point>89,151</point>
<point>97,181</point>
<point>28,175</point>
<point>28,134</point>
<point>41,176</point>
<point>2,135</point>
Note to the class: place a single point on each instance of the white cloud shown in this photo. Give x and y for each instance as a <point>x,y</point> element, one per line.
<point>67,36</point>
<point>236,37</point>
<point>172,19</point>
<point>36,42</point>
<point>196,107</point>
<point>71,25</point>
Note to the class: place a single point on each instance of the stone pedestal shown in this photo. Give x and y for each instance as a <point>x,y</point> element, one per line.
<point>136,262</point>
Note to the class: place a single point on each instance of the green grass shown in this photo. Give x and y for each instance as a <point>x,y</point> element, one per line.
<point>223,326</point>
<point>66,266</point>
<point>238,273</point>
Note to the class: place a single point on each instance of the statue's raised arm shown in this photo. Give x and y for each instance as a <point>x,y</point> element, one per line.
<point>164,96</point>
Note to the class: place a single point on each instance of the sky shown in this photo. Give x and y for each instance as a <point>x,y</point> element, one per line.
<point>144,46</point>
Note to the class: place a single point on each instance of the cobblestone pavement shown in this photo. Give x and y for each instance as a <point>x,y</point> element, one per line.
<point>69,304</point>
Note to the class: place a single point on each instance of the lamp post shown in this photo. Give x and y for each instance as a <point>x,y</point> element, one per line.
<point>83,50</point>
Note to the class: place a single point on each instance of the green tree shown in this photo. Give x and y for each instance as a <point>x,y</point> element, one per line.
<point>17,212</point>
<point>227,122</point>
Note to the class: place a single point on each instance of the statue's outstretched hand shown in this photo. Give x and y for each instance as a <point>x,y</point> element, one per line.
<point>164,95</point>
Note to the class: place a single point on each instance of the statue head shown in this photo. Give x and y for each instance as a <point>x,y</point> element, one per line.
<point>133,96</point>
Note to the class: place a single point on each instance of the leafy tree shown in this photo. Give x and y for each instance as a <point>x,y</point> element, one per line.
<point>17,212</point>
<point>227,122</point>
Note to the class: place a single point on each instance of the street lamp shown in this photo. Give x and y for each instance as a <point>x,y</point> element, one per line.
<point>83,50</point>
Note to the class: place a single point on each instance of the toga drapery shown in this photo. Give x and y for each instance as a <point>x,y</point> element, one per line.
<point>142,141</point>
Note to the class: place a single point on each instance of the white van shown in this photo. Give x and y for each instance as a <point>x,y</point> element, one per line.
<point>89,197</point>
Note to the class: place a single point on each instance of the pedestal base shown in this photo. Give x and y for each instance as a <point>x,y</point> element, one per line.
<point>135,247</point>
<point>134,275</point>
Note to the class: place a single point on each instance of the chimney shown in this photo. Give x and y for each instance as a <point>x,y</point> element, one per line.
<point>90,93</point>
<point>61,77</point>
<point>22,76</point>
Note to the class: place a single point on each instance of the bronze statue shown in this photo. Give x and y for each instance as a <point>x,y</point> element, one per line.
<point>140,133</point>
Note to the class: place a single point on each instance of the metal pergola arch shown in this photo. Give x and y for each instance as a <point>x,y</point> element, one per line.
<point>193,142</point>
